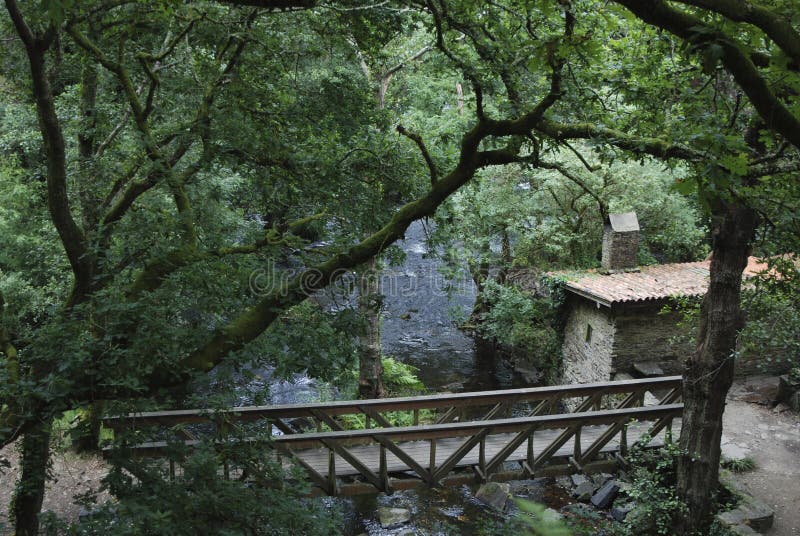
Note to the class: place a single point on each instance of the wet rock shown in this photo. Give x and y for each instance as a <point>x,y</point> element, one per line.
<point>551,515</point>
<point>619,513</point>
<point>564,482</point>
<point>454,387</point>
<point>648,368</point>
<point>578,479</point>
<point>393,517</point>
<point>405,316</point>
<point>605,496</point>
<point>528,375</point>
<point>601,478</point>
<point>621,376</point>
<point>584,492</point>
<point>494,494</point>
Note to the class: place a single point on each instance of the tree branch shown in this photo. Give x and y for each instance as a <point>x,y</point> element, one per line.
<point>774,113</point>
<point>416,138</point>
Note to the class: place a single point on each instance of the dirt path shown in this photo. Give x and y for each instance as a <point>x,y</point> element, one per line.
<point>771,439</point>
<point>74,474</point>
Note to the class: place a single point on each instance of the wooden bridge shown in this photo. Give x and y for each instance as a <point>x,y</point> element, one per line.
<point>351,447</point>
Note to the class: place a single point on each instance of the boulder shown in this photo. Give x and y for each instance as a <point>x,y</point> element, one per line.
<point>619,513</point>
<point>578,479</point>
<point>584,492</point>
<point>648,368</point>
<point>393,517</point>
<point>742,530</point>
<point>495,495</point>
<point>605,496</point>
<point>732,518</point>
<point>759,515</point>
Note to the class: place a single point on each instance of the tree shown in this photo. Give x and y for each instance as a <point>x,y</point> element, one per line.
<point>149,204</point>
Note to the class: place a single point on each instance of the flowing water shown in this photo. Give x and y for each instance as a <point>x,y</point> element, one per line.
<point>418,326</point>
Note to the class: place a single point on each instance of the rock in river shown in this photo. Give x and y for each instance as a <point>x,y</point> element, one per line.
<point>494,494</point>
<point>393,517</point>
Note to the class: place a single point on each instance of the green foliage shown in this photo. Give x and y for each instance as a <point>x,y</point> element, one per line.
<point>537,521</point>
<point>653,485</point>
<point>201,501</point>
<point>772,302</point>
<point>740,465</point>
<point>400,378</point>
<point>525,324</point>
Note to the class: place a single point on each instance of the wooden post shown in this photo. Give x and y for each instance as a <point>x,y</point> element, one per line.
<point>576,452</point>
<point>482,459</point>
<point>172,470</point>
<point>432,462</point>
<point>384,470</point>
<point>333,490</point>
<point>416,417</point>
<point>368,423</point>
<point>623,440</point>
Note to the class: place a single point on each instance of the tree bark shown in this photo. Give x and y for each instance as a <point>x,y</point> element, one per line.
<point>709,372</point>
<point>29,493</point>
<point>370,369</point>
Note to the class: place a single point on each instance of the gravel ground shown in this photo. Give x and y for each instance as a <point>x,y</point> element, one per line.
<point>772,439</point>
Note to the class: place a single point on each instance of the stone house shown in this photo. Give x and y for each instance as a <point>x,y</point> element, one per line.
<point>615,324</point>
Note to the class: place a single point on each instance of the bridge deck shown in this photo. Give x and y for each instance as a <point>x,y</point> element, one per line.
<point>420,450</point>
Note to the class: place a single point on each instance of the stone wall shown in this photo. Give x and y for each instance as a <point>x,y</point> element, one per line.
<point>587,361</point>
<point>643,333</point>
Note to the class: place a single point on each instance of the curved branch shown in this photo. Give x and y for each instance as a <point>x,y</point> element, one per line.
<point>776,26</point>
<point>774,113</point>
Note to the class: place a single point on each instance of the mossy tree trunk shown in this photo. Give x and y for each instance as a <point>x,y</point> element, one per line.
<point>709,372</point>
<point>370,369</point>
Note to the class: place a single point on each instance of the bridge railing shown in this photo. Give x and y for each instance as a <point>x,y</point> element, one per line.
<point>435,409</point>
<point>482,440</point>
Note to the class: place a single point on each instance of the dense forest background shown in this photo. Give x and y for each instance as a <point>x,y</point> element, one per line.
<point>178,178</point>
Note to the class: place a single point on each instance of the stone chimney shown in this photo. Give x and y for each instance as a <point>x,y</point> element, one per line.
<point>620,243</point>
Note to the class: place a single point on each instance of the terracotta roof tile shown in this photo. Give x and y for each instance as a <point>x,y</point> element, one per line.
<point>650,283</point>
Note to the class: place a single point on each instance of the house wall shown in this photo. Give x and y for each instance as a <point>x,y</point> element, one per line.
<point>630,333</point>
<point>587,361</point>
<point>643,333</point>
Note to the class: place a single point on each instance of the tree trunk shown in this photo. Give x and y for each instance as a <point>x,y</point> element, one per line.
<point>370,369</point>
<point>709,372</point>
<point>27,503</point>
